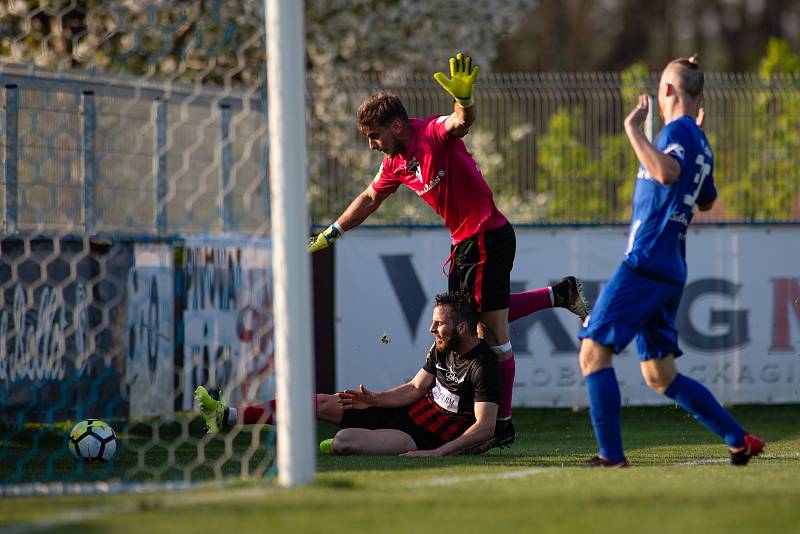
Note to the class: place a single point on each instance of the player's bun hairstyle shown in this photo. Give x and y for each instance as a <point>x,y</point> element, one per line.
<point>462,305</point>
<point>691,75</point>
<point>380,110</point>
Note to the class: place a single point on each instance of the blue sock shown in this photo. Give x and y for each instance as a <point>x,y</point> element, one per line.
<point>604,408</point>
<point>696,399</point>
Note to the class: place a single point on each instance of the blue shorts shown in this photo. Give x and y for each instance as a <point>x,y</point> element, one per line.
<point>633,305</point>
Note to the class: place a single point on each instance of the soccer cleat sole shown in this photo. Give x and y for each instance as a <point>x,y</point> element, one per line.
<point>574,300</point>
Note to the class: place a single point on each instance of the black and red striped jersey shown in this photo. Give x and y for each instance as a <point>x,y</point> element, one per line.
<point>460,381</point>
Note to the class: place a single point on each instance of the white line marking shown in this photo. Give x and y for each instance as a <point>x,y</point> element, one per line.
<point>460,479</point>
<point>706,461</point>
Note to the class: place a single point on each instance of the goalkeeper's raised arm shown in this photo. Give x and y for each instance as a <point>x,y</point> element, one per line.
<point>357,212</point>
<point>461,86</point>
<point>416,153</point>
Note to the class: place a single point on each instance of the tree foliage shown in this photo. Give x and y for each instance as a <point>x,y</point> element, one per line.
<point>768,188</point>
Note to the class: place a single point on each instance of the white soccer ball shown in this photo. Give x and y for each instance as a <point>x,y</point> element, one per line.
<point>92,440</point>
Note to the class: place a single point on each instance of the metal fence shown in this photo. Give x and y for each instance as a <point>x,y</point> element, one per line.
<point>95,154</point>
<point>84,152</point>
<point>553,149</point>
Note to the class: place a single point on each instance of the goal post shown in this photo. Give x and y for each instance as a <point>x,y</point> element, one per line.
<point>289,222</point>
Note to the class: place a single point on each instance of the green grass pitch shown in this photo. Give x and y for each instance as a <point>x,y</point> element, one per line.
<point>680,483</point>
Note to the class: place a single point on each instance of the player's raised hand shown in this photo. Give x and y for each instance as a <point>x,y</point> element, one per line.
<point>358,399</point>
<point>324,239</point>
<point>636,117</point>
<point>461,81</point>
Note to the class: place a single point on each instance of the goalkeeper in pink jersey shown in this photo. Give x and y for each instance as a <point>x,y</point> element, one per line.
<point>429,157</point>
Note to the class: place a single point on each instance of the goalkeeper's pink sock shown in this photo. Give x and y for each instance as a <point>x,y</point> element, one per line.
<point>507,371</point>
<point>527,302</point>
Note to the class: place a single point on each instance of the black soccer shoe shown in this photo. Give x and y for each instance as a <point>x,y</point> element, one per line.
<point>504,433</point>
<point>568,293</point>
<point>753,445</point>
<point>504,436</point>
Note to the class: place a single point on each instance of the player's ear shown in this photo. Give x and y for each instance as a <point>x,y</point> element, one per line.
<point>670,89</point>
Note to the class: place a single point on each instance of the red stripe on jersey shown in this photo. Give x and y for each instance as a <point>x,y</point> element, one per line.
<point>479,273</point>
<point>445,425</point>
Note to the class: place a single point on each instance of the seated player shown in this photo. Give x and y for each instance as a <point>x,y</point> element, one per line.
<point>449,407</point>
<point>566,293</point>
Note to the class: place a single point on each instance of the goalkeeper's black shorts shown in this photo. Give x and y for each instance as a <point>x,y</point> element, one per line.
<point>482,267</point>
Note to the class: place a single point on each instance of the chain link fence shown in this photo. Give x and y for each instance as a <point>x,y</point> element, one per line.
<point>107,155</point>
<point>553,149</point>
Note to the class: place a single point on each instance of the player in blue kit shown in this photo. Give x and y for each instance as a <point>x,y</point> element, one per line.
<point>641,299</point>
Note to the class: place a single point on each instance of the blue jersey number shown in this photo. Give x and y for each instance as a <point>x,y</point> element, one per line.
<point>703,171</point>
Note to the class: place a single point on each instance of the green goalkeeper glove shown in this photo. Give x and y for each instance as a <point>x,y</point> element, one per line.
<point>325,238</point>
<point>461,79</point>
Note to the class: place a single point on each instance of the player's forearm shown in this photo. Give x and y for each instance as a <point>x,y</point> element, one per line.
<point>402,395</point>
<point>357,212</point>
<point>662,167</point>
<point>477,433</point>
<point>459,122</point>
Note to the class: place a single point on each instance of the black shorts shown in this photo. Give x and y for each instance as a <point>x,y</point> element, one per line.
<point>391,418</point>
<point>482,267</point>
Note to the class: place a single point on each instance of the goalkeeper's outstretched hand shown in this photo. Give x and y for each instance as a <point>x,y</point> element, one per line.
<point>324,239</point>
<point>461,80</point>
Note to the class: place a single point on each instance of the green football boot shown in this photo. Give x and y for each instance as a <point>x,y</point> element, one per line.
<point>214,411</point>
<point>325,446</point>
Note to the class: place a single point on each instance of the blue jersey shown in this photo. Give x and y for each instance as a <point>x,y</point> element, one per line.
<point>662,213</point>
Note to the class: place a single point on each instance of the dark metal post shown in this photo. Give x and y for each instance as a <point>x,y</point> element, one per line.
<point>225,168</point>
<point>89,123</point>
<point>11,125</point>
<point>161,166</point>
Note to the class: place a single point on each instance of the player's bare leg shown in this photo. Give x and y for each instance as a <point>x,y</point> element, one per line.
<point>219,416</point>
<point>364,441</point>
<point>594,357</point>
<point>659,373</point>
<point>494,330</point>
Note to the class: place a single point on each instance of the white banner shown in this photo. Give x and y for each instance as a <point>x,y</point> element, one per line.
<point>227,320</point>
<point>149,366</point>
<point>739,322</point>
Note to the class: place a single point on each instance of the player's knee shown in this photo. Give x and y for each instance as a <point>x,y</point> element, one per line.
<point>344,442</point>
<point>593,357</point>
<point>659,373</point>
<point>657,382</point>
